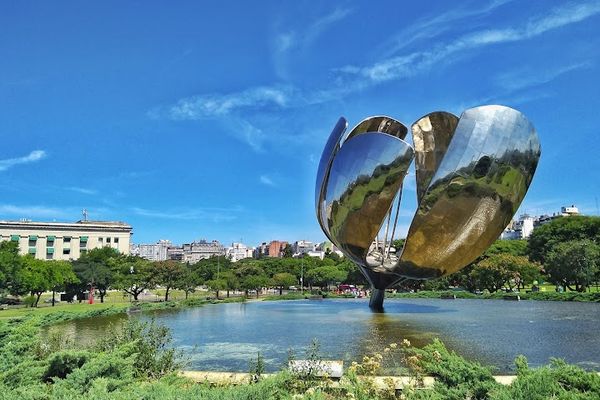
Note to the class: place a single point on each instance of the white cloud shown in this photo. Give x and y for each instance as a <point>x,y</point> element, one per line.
<point>82,190</point>
<point>407,65</point>
<point>218,105</point>
<point>266,180</point>
<point>34,156</point>
<point>32,211</point>
<point>526,78</point>
<point>433,26</point>
<point>213,214</point>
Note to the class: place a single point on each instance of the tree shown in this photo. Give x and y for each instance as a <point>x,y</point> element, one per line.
<point>188,281</point>
<point>11,266</point>
<point>231,280</point>
<point>325,275</point>
<point>134,275</point>
<point>560,230</point>
<point>60,274</point>
<point>40,276</point>
<point>573,264</point>
<point>96,269</point>
<point>287,251</point>
<point>168,274</point>
<point>496,271</point>
<point>283,279</point>
<point>254,282</point>
<point>216,285</point>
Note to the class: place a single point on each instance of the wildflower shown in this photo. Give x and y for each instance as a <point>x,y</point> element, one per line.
<point>394,345</point>
<point>406,343</point>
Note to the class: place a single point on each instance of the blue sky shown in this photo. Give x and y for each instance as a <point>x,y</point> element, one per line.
<point>194,120</point>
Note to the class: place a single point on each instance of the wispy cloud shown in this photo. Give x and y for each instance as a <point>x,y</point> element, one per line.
<point>32,211</point>
<point>433,26</point>
<point>218,105</point>
<point>82,190</point>
<point>213,214</point>
<point>302,38</point>
<point>266,180</point>
<point>34,156</point>
<point>526,77</point>
<point>408,65</point>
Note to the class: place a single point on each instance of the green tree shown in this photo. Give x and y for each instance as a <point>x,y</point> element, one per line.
<point>40,276</point>
<point>188,281</point>
<point>325,275</point>
<point>560,230</point>
<point>60,274</point>
<point>231,280</point>
<point>134,275</point>
<point>168,274</point>
<point>283,279</point>
<point>573,264</point>
<point>96,269</point>
<point>217,285</point>
<point>254,282</point>
<point>11,268</point>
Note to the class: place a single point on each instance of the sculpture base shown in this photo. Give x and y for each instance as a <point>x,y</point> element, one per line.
<point>376,301</point>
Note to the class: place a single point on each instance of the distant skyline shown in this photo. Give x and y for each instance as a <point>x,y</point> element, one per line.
<point>190,120</point>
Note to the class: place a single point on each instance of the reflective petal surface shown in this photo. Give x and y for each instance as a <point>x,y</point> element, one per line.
<point>472,174</point>
<point>365,176</point>
<point>474,193</point>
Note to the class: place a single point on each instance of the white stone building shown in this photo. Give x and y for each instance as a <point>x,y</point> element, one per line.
<point>65,241</point>
<point>239,251</point>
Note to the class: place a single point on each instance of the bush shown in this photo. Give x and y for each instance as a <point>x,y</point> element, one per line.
<point>63,363</point>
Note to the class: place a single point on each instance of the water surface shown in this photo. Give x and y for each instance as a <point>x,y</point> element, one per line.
<point>224,337</point>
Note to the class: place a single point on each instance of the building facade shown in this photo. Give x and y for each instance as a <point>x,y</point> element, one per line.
<point>524,226</point>
<point>239,251</point>
<point>66,241</point>
<point>152,252</point>
<point>196,251</point>
<point>302,247</point>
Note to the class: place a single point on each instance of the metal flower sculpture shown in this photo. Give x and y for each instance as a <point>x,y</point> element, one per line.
<point>471,173</point>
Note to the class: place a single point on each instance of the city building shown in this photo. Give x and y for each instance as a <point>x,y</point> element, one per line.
<point>239,251</point>
<point>153,252</point>
<point>302,247</point>
<point>175,253</point>
<point>196,251</point>
<point>525,225</point>
<point>273,249</point>
<point>63,240</point>
<point>520,229</point>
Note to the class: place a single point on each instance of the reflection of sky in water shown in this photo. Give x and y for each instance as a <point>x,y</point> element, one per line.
<point>227,336</point>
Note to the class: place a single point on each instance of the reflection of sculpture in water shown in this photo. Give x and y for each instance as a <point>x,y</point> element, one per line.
<point>472,173</point>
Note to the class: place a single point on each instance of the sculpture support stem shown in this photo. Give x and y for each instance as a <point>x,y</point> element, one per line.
<point>376,301</point>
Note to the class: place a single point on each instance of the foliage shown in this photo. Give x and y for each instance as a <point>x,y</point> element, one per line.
<point>326,275</point>
<point>560,230</point>
<point>168,275</point>
<point>283,279</point>
<point>96,268</point>
<point>573,264</point>
<point>134,275</point>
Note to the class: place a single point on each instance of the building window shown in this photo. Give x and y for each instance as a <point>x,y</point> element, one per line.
<point>83,251</point>
<point>67,239</point>
<point>32,240</point>
<point>116,240</point>
<point>14,238</point>
<point>100,241</point>
<point>49,256</point>
<point>107,240</point>
<point>83,241</point>
<point>50,241</point>
<point>31,251</point>
<point>66,252</point>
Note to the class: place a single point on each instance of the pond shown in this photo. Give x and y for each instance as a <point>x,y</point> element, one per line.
<point>224,337</point>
